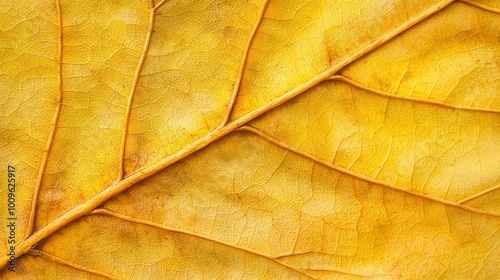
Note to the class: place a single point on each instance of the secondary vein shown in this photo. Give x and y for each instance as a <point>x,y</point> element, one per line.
<point>239,77</point>
<point>198,235</point>
<point>34,200</point>
<point>45,255</point>
<point>409,98</point>
<point>364,177</point>
<point>138,71</point>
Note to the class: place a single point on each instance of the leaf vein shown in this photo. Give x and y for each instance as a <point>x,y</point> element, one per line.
<point>479,194</point>
<point>358,85</point>
<point>34,200</point>
<point>481,6</point>
<point>138,71</point>
<point>127,218</point>
<point>364,177</point>
<point>241,70</point>
<point>48,256</point>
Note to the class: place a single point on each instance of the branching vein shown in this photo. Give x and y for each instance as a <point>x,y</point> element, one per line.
<point>239,77</point>
<point>138,71</point>
<point>489,190</point>
<point>190,233</point>
<point>362,176</point>
<point>482,6</point>
<point>34,200</point>
<point>409,98</point>
<point>45,255</point>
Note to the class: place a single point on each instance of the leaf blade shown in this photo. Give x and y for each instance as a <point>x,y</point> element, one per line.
<point>206,133</point>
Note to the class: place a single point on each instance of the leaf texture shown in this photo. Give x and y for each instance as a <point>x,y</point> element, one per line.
<point>264,139</point>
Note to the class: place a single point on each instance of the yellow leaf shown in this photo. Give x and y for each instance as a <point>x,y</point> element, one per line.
<point>263,139</point>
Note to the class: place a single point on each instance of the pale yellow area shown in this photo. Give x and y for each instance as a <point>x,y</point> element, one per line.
<point>195,54</point>
<point>101,49</point>
<point>254,195</point>
<point>426,148</point>
<point>28,96</point>
<point>298,40</point>
<point>444,59</point>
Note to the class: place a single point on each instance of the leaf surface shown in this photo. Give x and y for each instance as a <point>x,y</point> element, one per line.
<point>252,139</point>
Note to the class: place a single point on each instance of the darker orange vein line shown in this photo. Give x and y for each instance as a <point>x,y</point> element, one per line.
<point>43,254</point>
<point>141,174</point>
<point>482,6</point>
<point>140,65</point>
<point>157,5</point>
<point>239,77</point>
<point>494,188</point>
<point>362,176</point>
<point>34,200</point>
<point>290,254</point>
<point>409,98</point>
<point>353,274</point>
<point>198,235</point>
